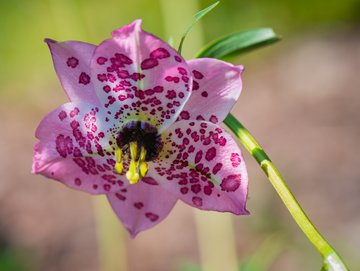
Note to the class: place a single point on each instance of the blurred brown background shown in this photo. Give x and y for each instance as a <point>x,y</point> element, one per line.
<point>301,100</point>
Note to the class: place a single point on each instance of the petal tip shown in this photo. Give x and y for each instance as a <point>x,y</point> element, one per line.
<point>48,41</point>
<point>241,68</point>
<point>127,29</point>
<point>133,232</point>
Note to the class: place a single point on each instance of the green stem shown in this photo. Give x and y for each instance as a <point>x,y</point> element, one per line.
<point>331,259</point>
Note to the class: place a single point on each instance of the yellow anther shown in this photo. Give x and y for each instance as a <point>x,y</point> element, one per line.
<point>133,150</point>
<point>138,168</point>
<point>119,167</point>
<point>132,174</point>
<point>143,169</point>
<point>142,154</point>
<point>118,155</point>
<point>133,178</point>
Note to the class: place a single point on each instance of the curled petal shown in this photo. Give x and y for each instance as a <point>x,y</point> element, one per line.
<point>72,64</point>
<point>204,167</point>
<point>141,206</point>
<point>139,76</point>
<point>75,149</point>
<point>216,87</point>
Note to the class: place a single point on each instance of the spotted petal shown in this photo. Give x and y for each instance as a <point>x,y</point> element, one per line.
<point>75,149</point>
<point>141,206</point>
<point>216,87</point>
<point>139,76</point>
<point>203,166</point>
<point>72,64</point>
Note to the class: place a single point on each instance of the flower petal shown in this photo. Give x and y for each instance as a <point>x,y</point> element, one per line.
<point>72,64</point>
<point>216,87</point>
<point>141,206</point>
<point>74,149</point>
<point>204,167</point>
<point>139,76</point>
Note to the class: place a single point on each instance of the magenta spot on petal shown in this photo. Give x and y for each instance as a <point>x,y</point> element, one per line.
<point>196,188</point>
<point>235,159</point>
<point>120,197</point>
<point>197,74</point>
<point>185,115</point>
<point>123,74</point>
<point>210,154</point>
<point>138,205</point>
<point>185,79</point>
<point>84,78</point>
<point>207,190</point>
<point>217,168</point>
<point>62,115</point>
<point>107,88</point>
<point>72,62</point>
<point>222,141</point>
<point>178,59</point>
<point>124,59</point>
<point>74,112</point>
<point>149,63</point>
<point>195,85</point>
<point>102,77</point>
<point>197,201</point>
<point>171,94</point>
<point>101,60</point>
<point>77,181</point>
<point>198,156</point>
<point>107,187</point>
<point>184,190</point>
<point>61,145</point>
<point>152,217</point>
<point>159,53</point>
<point>204,94</point>
<point>182,71</point>
<point>231,183</point>
<point>213,119</point>
<point>158,89</point>
<point>149,180</point>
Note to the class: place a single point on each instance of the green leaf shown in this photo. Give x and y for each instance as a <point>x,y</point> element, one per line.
<point>197,17</point>
<point>239,43</point>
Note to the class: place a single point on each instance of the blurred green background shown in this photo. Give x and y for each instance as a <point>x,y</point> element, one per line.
<point>301,99</point>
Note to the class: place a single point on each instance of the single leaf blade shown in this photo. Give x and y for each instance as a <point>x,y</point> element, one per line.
<point>197,17</point>
<point>239,43</point>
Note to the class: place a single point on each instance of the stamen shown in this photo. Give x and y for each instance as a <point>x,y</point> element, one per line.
<point>138,142</point>
<point>118,155</point>
<point>133,150</point>
<point>119,167</point>
<point>143,165</point>
<point>143,169</point>
<point>132,175</point>
<point>142,154</point>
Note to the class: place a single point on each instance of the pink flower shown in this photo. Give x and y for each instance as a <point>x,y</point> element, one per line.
<point>143,128</point>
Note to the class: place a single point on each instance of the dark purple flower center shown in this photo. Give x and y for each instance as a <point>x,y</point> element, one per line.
<point>144,135</point>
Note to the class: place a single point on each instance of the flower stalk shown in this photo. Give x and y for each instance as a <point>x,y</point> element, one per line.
<point>332,261</point>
